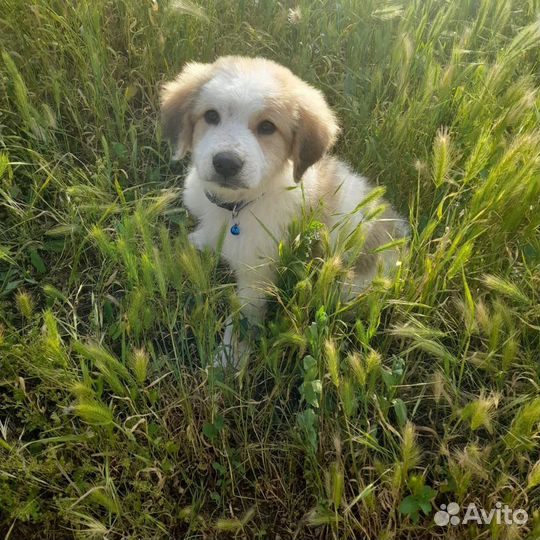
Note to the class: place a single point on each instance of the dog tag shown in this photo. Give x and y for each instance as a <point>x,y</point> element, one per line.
<point>235,229</point>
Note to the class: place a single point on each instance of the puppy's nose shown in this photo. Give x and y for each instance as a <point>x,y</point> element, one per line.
<point>227,163</point>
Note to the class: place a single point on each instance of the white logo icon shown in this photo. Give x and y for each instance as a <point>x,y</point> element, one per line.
<point>448,514</point>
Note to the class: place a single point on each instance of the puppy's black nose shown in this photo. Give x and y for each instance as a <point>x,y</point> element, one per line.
<point>227,163</point>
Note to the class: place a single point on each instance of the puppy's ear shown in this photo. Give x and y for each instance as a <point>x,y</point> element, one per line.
<point>316,130</point>
<point>177,100</point>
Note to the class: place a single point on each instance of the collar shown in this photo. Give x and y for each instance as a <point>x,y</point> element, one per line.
<point>231,206</point>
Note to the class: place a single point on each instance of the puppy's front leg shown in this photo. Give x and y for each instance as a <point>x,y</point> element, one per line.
<point>232,350</point>
<point>251,293</point>
<point>196,238</point>
<point>253,284</point>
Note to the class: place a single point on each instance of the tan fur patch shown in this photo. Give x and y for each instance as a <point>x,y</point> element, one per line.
<point>331,173</point>
<point>381,231</point>
<point>315,133</point>
<point>177,100</point>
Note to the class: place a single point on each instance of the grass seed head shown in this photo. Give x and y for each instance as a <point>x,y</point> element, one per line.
<point>25,304</point>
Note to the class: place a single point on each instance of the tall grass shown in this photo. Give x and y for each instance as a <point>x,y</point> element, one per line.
<point>349,420</point>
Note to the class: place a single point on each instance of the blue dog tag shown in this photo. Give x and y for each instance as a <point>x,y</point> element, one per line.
<point>235,229</point>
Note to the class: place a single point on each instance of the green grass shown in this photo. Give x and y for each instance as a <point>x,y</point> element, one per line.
<point>350,420</point>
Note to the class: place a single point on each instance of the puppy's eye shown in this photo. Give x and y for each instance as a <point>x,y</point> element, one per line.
<point>211,116</point>
<point>266,128</point>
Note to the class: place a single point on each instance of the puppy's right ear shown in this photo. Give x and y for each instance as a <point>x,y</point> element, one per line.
<point>316,129</point>
<point>177,100</point>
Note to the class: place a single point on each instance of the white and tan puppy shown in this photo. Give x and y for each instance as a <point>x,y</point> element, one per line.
<point>255,131</point>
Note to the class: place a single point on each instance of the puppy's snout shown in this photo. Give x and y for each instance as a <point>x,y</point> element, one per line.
<point>227,163</point>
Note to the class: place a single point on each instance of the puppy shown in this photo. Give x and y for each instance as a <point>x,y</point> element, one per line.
<point>255,131</point>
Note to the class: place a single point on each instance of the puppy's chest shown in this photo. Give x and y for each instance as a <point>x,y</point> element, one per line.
<point>259,230</point>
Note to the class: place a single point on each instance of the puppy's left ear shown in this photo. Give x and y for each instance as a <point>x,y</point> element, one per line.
<point>316,130</point>
<point>177,100</point>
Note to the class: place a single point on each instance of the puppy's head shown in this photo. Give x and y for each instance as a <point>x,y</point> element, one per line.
<point>243,119</point>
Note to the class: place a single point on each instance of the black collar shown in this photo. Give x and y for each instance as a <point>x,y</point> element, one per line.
<point>234,206</point>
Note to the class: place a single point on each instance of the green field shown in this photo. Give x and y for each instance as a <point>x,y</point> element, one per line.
<point>351,421</point>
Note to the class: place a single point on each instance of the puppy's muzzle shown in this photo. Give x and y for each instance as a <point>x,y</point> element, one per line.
<point>227,165</point>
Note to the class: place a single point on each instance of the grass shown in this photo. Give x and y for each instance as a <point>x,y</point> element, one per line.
<point>351,420</point>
